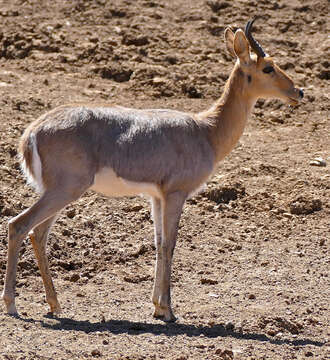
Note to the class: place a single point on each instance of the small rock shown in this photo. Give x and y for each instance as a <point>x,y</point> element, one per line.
<point>324,74</point>
<point>318,161</point>
<point>159,80</point>
<point>208,281</point>
<point>134,208</point>
<point>141,251</point>
<point>89,223</point>
<point>217,5</point>
<point>210,207</point>
<point>71,213</point>
<point>68,58</point>
<point>271,332</point>
<point>191,91</point>
<point>118,30</point>
<point>251,296</point>
<point>74,277</point>
<point>117,74</point>
<point>25,265</point>
<point>229,326</point>
<point>225,354</point>
<point>4,84</point>
<point>56,246</point>
<point>8,211</point>
<point>214,295</point>
<point>304,206</point>
<point>224,193</point>
<point>276,119</point>
<point>96,353</point>
<point>172,59</point>
<point>137,40</point>
<point>66,232</point>
<point>288,215</point>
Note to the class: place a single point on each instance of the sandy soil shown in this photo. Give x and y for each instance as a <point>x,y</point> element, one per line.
<point>251,267</point>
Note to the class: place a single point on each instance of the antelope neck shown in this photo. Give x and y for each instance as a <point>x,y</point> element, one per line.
<point>229,114</point>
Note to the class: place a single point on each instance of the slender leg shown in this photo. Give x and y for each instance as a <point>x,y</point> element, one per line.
<point>171,213</point>
<point>14,245</point>
<point>51,202</point>
<point>157,217</point>
<point>38,237</point>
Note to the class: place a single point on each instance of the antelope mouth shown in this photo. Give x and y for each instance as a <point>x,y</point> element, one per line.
<point>297,96</point>
<point>293,101</point>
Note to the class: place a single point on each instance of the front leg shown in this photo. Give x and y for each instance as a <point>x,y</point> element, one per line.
<point>171,209</point>
<point>157,218</point>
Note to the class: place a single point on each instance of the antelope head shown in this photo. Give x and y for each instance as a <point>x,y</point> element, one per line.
<point>264,78</point>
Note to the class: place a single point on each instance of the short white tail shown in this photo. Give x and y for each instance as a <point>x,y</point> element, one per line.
<point>117,151</point>
<point>33,176</point>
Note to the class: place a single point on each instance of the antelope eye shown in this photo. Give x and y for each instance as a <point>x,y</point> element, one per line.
<point>268,69</point>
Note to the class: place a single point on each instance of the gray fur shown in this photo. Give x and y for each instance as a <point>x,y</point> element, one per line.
<point>132,142</point>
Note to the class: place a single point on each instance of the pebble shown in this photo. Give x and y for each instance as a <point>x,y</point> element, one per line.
<point>96,353</point>
<point>229,326</point>
<point>74,277</point>
<point>288,215</point>
<point>276,119</point>
<point>4,84</point>
<point>318,161</point>
<point>8,211</point>
<point>208,281</point>
<point>118,30</point>
<point>159,80</point>
<point>134,208</point>
<point>214,295</point>
<point>71,213</point>
<point>225,353</point>
<point>56,246</point>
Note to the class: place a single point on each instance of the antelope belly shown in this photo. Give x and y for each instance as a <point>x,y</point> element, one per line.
<point>108,183</point>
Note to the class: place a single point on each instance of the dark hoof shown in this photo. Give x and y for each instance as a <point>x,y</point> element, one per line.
<point>172,319</point>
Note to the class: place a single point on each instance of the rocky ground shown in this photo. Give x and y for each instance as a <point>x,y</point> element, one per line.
<point>251,267</point>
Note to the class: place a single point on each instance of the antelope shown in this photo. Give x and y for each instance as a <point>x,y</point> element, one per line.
<point>117,151</point>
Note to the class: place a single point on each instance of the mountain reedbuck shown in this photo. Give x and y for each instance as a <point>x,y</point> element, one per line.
<point>118,151</point>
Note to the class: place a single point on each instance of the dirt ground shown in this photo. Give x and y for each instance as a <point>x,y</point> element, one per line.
<point>251,266</point>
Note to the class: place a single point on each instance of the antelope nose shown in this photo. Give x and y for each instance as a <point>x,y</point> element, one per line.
<point>301,93</point>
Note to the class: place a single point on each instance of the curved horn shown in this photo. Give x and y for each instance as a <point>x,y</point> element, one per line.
<point>253,42</point>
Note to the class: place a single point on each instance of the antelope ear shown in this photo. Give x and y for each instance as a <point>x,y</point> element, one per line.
<point>229,39</point>
<point>241,47</point>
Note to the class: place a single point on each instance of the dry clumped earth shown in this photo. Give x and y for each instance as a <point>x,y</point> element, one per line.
<point>251,267</point>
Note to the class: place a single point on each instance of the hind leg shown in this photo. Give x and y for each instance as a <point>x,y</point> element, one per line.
<point>38,237</point>
<point>51,202</point>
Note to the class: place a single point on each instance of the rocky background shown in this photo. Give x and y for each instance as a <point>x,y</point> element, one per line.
<point>251,267</point>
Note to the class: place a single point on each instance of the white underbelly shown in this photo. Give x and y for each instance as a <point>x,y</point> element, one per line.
<point>108,183</point>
